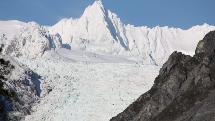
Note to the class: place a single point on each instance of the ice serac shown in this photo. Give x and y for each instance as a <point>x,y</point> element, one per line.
<point>101,31</point>
<point>184,90</point>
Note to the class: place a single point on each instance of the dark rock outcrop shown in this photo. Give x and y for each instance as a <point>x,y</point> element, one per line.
<point>183,91</point>
<point>17,90</point>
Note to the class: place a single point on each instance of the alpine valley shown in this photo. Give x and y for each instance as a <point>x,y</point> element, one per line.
<point>85,69</point>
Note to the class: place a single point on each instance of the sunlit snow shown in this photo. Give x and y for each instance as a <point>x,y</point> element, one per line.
<point>94,66</point>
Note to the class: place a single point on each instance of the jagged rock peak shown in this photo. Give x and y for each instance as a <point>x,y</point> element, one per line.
<point>207,45</point>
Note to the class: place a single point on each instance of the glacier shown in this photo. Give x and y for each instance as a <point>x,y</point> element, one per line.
<point>94,66</point>
<point>87,92</point>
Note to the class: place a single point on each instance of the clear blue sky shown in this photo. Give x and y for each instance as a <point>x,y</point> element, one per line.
<point>174,13</point>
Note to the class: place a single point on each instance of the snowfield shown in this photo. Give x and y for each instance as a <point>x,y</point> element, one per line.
<point>87,91</point>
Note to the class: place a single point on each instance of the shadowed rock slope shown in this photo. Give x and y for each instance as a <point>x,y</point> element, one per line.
<point>183,91</point>
<point>18,89</point>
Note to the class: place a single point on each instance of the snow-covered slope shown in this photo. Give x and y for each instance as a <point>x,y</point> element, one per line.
<point>101,31</point>
<point>78,56</point>
<point>26,39</point>
<point>11,27</point>
<point>154,45</point>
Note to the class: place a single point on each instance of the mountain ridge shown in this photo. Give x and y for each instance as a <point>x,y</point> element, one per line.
<point>103,32</point>
<point>100,31</point>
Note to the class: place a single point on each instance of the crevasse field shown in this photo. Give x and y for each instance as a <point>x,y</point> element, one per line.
<point>87,91</point>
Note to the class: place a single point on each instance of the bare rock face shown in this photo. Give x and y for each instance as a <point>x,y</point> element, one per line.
<point>18,89</point>
<point>183,91</point>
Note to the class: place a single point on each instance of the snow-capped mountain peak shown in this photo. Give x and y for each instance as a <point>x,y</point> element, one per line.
<point>108,21</point>
<point>97,30</point>
<point>96,8</point>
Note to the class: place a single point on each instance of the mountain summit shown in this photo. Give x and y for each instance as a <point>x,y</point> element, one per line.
<point>97,30</point>
<point>97,7</point>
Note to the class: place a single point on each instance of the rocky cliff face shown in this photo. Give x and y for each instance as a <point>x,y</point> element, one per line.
<point>18,89</point>
<point>183,91</point>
